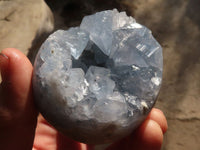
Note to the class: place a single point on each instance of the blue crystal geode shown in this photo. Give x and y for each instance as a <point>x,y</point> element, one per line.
<point>96,83</point>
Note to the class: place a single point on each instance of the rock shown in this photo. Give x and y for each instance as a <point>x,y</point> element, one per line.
<point>23,24</point>
<point>91,81</point>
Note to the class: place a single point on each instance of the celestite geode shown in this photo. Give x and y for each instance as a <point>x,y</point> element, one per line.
<point>96,83</point>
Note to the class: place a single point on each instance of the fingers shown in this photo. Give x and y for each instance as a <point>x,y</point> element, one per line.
<point>158,116</point>
<point>17,113</point>
<point>16,74</point>
<point>48,138</point>
<point>44,136</point>
<point>148,136</point>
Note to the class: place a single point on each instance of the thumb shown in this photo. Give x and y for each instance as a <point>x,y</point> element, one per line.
<point>18,116</point>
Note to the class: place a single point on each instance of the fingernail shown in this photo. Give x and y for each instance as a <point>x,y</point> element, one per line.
<point>3,60</point>
<point>3,64</point>
<point>3,55</point>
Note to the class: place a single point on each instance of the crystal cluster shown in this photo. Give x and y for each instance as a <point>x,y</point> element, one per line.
<point>96,83</point>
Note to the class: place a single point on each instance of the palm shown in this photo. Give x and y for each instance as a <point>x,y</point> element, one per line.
<point>18,116</point>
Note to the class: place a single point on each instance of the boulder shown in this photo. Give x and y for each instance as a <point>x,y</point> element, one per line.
<point>23,24</point>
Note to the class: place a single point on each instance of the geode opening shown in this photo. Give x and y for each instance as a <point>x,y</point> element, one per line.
<point>97,82</point>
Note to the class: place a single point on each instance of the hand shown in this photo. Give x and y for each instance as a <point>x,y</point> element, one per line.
<point>21,128</point>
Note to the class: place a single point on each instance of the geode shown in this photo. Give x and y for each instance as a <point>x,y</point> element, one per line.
<point>96,83</point>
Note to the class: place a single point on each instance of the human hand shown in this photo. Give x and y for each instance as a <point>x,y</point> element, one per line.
<point>22,129</point>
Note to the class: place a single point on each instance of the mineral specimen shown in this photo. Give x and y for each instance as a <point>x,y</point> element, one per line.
<point>96,83</point>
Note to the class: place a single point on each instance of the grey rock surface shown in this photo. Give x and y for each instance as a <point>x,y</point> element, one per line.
<point>96,83</point>
<point>23,22</point>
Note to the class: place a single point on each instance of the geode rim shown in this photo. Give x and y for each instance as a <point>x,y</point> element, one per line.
<point>96,83</point>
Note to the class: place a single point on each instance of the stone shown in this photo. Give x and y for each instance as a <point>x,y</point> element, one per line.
<point>96,83</point>
<point>21,26</point>
<point>19,15</point>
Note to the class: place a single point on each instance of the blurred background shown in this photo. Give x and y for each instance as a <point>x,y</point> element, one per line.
<point>174,23</point>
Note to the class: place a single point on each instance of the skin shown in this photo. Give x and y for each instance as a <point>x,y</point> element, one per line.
<point>21,128</point>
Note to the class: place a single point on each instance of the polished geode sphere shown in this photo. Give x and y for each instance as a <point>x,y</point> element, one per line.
<point>96,83</point>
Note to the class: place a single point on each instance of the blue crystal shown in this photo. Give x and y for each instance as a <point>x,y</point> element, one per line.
<point>96,83</point>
